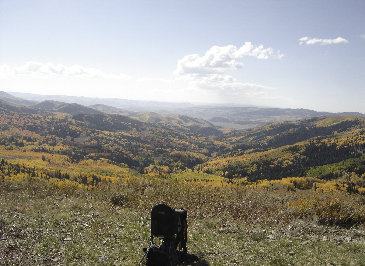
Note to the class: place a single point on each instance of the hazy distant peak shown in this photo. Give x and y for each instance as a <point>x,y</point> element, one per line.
<point>13,99</point>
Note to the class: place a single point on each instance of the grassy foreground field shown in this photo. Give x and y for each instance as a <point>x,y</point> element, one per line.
<point>41,224</point>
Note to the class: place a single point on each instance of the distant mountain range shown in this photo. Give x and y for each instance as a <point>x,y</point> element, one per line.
<point>181,123</point>
<point>226,117</point>
<point>130,105</point>
<point>250,117</point>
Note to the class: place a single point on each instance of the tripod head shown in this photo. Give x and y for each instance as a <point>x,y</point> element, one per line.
<point>170,227</point>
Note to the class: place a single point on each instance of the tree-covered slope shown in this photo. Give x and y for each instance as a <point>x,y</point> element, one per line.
<point>121,139</point>
<point>290,148</point>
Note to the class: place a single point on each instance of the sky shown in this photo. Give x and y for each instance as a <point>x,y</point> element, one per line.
<point>277,53</point>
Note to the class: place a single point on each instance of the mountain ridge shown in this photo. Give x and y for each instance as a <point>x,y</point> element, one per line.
<point>225,117</point>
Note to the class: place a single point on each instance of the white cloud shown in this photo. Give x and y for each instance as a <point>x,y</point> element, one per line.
<point>208,72</point>
<point>362,36</point>
<point>311,41</point>
<point>222,58</point>
<point>51,70</point>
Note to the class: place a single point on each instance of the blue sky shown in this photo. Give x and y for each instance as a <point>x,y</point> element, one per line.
<point>282,53</point>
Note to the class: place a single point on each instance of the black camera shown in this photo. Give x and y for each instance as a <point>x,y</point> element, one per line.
<point>169,226</point>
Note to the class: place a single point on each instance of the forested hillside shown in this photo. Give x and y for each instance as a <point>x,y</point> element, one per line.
<point>161,144</point>
<point>120,139</point>
<point>293,149</point>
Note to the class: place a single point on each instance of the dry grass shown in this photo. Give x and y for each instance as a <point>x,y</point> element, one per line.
<point>41,224</point>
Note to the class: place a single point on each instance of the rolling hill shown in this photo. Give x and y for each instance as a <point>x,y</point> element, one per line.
<point>11,107</point>
<point>61,107</point>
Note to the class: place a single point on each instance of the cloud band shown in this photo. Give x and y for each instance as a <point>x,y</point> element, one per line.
<point>311,41</point>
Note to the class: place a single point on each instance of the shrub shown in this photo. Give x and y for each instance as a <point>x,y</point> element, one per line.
<point>330,209</point>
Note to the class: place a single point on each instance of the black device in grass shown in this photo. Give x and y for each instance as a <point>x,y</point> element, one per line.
<point>169,226</point>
